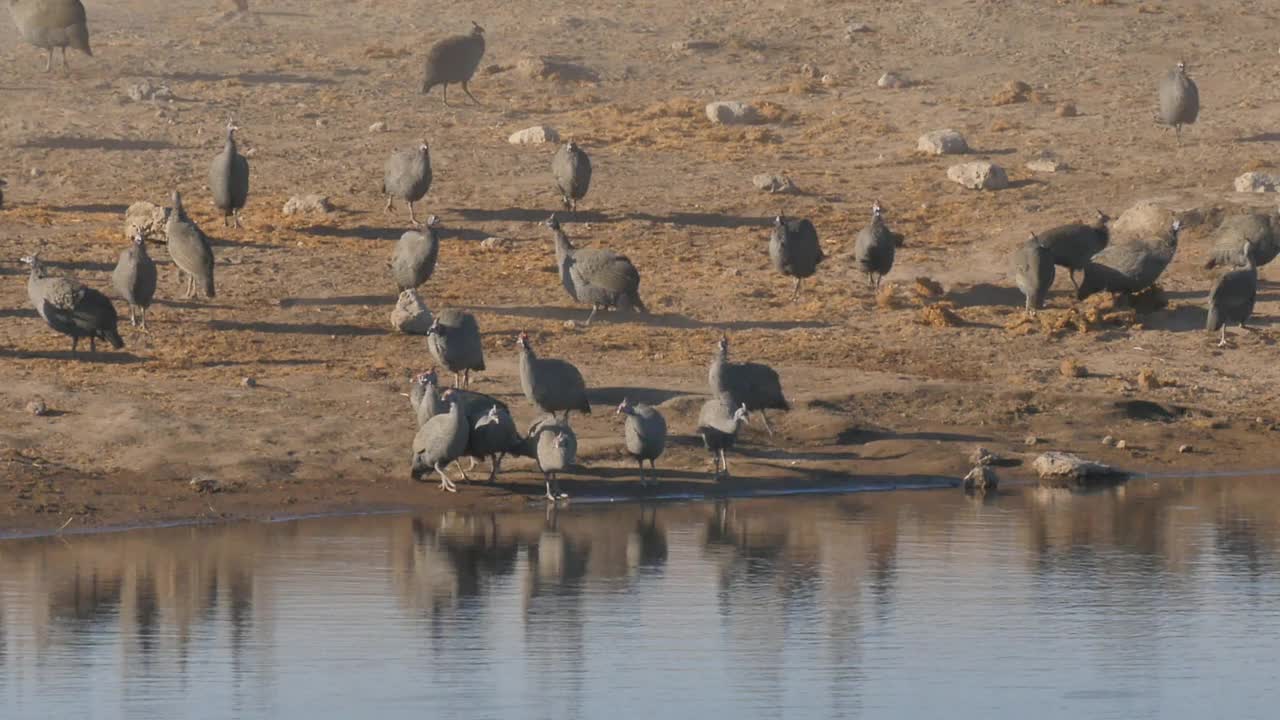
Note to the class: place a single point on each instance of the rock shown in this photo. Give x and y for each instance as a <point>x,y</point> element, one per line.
<point>828,80</point>
<point>541,68</point>
<point>1185,449</point>
<point>1122,445</point>
<point>536,135</point>
<point>982,456</point>
<point>1072,369</point>
<point>1148,380</point>
<point>570,325</point>
<point>38,408</point>
<point>1145,221</point>
<point>1066,110</point>
<point>313,204</point>
<point>1064,469</point>
<point>810,71</point>
<point>731,272</point>
<point>980,479</point>
<point>205,484</point>
<point>695,45</point>
<point>35,172</point>
<point>855,28</point>
<point>147,90</point>
<point>1046,165</point>
<point>248,382</point>
<point>732,113</point>
<point>1014,91</point>
<point>980,175</point>
<point>411,315</point>
<point>495,244</point>
<point>894,81</point>
<point>1030,440</point>
<point>942,142</point>
<point>1257,182</point>
<point>1108,441</point>
<point>378,127</point>
<point>146,217</point>
<point>773,183</point>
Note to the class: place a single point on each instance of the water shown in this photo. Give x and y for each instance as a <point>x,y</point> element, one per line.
<point>1154,600</point>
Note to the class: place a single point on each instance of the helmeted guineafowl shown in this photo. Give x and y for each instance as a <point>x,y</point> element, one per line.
<point>229,179</point>
<point>1259,230</point>
<point>407,176</point>
<point>794,249</point>
<point>414,258</point>
<point>52,24</point>
<point>718,424</point>
<point>71,308</point>
<point>1233,296</point>
<point>599,278</point>
<point>454,60</point>
<point>190,250</point>
<point>454,341</point>
<point>1033,272</point>
<point>440,441</point>
<point>492,437</point>
<point>557,450</point>
<point>644,435</point>
<point>752,384</point>
<point>1074,244</point>
<point>135,278</point>
<point>571,168</point>
<point>427,389</point>
<point>876,247</point>
<point>1179,100</point>
<point>551,385</point>
<point>1129,267</point>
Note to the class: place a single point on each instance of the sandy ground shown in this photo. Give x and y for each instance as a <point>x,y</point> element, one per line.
<point>893,390</point>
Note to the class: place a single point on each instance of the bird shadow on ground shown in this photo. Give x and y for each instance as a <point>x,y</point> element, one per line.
<point>295,328</point>
<point>662,320</point>
<point>534,215</point>
<point>764,452</point>
<point>1026,182</point>
<point>249,78</point>
<point>709,220</point>
<point>1260,138</point>
<point>83,143</point>
<point>364,232</point>
<point>191,304</point>
<point>247,245</point>
<point>993,151</point>
<point>101,357</point>
<point>286,303</point>
<point>18,313</point>
<point>862,436</point>
<point>1181,319</point>
<point>281,362</point>
<point>467,234</point>
<point>84,266</point>
<point>106,208</point>
<point>615,395</point>
<point>986,294</point>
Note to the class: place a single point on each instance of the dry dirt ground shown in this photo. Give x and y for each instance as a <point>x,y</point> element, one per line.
<point>895,389</point>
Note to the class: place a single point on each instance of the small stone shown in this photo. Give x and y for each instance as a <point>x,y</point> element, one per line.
<point>1030,440</point>
<point>1108,441</point>
<point>1122,445</point>
<point>312,204</point>
<point>1046,165</point>
<point>1014,91</point>
<point>205,484</point>
<point>1184,449</point>
<point>411,315</point>
<point>147,90</point>
<point>1257,182</point>
<point>855,28</point>
<point>146,217</point>
<point>1072,369</point>
<point>894,81</point>
<point>1066,110</point>
<point>1058,469</point>
<point>248,382</point>
<point>570,324</point>
<point>982,456</point>
<point>980,175</point>
<point>378,127</point>
<point>732,272</point>
<point>1147,379</point>
<point>828,80</point>
<point>694,45</point>
<point>732,113</point>
<point>942,142</point>
<point>35,172</point>
<point>536,135</point>
<point>811,71</point>
<point>321,122</point>
<point>545,68</point>
<point>980,479</point>
<point>495,244</point>
<point>773,183</point>
<point>38,408</point>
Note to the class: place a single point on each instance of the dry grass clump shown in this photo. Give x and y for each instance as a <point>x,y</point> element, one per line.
<point>939,314</point>
<point>1014,91</point>
<point>886,296</point>
<point>1070,368</point>
<point>927,288</point>
<point>1148,380</point>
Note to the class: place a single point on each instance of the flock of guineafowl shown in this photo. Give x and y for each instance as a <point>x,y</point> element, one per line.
<point>459,422</point>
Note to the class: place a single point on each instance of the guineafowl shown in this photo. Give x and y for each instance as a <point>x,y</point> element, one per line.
<point>1033,271</point>
<point>794,250</point>
<point>135,278</point>
<point>189,249</point>
<point>1179,100</point>
<point>71,308</point>
<point>493,437</point>
<point>599,278</point>
<point>440,441</point>
<point>1233,296</point>
<point>551,385</point>
<point>229,179</point>
<point>414,258</point>
<point>557,449</point>
<point>571,168</point>
<point>1129,267</point>
<point>52,24</point>
<point>407,176</point>
<point>876,246</point>
<point>1257,229</point>
<point>427,389</point>
<point>454,60</point>
<point>752,384</point>
<point>454,341</point>
<point>1072,245</point>
<point>644,435</point>
<point>718,426</point>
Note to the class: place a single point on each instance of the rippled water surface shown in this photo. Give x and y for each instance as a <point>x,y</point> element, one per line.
<point>1155,600</point>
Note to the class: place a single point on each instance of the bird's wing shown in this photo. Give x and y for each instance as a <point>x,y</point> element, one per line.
<point>606,269</point>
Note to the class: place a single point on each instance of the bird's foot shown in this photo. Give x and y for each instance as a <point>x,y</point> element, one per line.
<point>448,486</point>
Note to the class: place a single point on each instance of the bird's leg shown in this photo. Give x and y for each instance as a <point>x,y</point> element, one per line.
<point>413,218</point>
<point>388,208</point>
<point>144,320</point>
<point>48,61</point>
<point>65,68</point>
<point>456,380</point>
<point>468,92</point>
<point>236,218</point>
<point>93,344</point>
<point>133,318</point>
<point>1074,284</point>
<point>725,462</point>
<point>445,94</point>
<point>466,378</point>
<point>1177,134</point>
<point>594,308</point>
<point>445,483</point>
<point>1222,336</point>
<point>871,280</point>
<point>75,341</point>
<point>765,418</point>
<point>497,467</point>
<point>547,479</point>
<point>641,464</point>
<point>458,463</point>
<point>795,291</point>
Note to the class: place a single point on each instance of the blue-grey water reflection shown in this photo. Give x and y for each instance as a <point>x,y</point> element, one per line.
<point>1147,601</point>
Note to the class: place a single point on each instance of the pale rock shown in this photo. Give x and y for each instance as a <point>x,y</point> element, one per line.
<point>980,175</point>
<point>312,204</point>
<point>536,135</point>
<point>1046,165</point>
<point>1257,182</point>
<point>411,315</point>
<point>942,142</point>
<point>729,112</point>
<point>146,217</point>
<point>773,183</point>
<point>495,244</point>
<point>380,126</point>
<point>1059,468</point>
<point>894,81</point>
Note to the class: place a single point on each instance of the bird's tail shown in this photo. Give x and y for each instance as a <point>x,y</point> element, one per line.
<point>209,290</point>
<point>80,39</point>
<point>638,305</point>
<point>1211,263</point>
<point>112,336</point>
<point>1214,322</point>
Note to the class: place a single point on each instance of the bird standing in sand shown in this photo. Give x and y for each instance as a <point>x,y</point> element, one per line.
<point>1233,296</point>
<point>407,176</point>
<point>454,60</point>
<point>135,278</point>
<point>1179,100</point>
<point>229,179</point>
<point>571,168</point>
<point>71,308</point>
<point>52,24</point>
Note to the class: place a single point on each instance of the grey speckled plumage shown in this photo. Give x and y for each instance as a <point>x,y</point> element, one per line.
<point>440,441</point>
<point>454,60</point>
<point>1033,272</point>
<point>71,308</point>
<point>424,396</point>
<point>644,435</point>
<point>414,258</point>
<point>599,278</point>
<point>1259,230</point>
<point>1072,246</point>
<point>1232,299</point>
<point>794,249</point>
<point>718,424</point>
<point>1129,267</point>
<point>407,176</point>
<point>754,384</point>
<point>135,278</point>
<point>551,385</point>
<point>52,24</point>
<point>454,341</point>
<point>1179,100</point>
<point>229,179</point>
<point>557,451</point>
<point>190,250</point>
<point>493,437</point>
<point>876,247</point>
<point>571,168</point>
